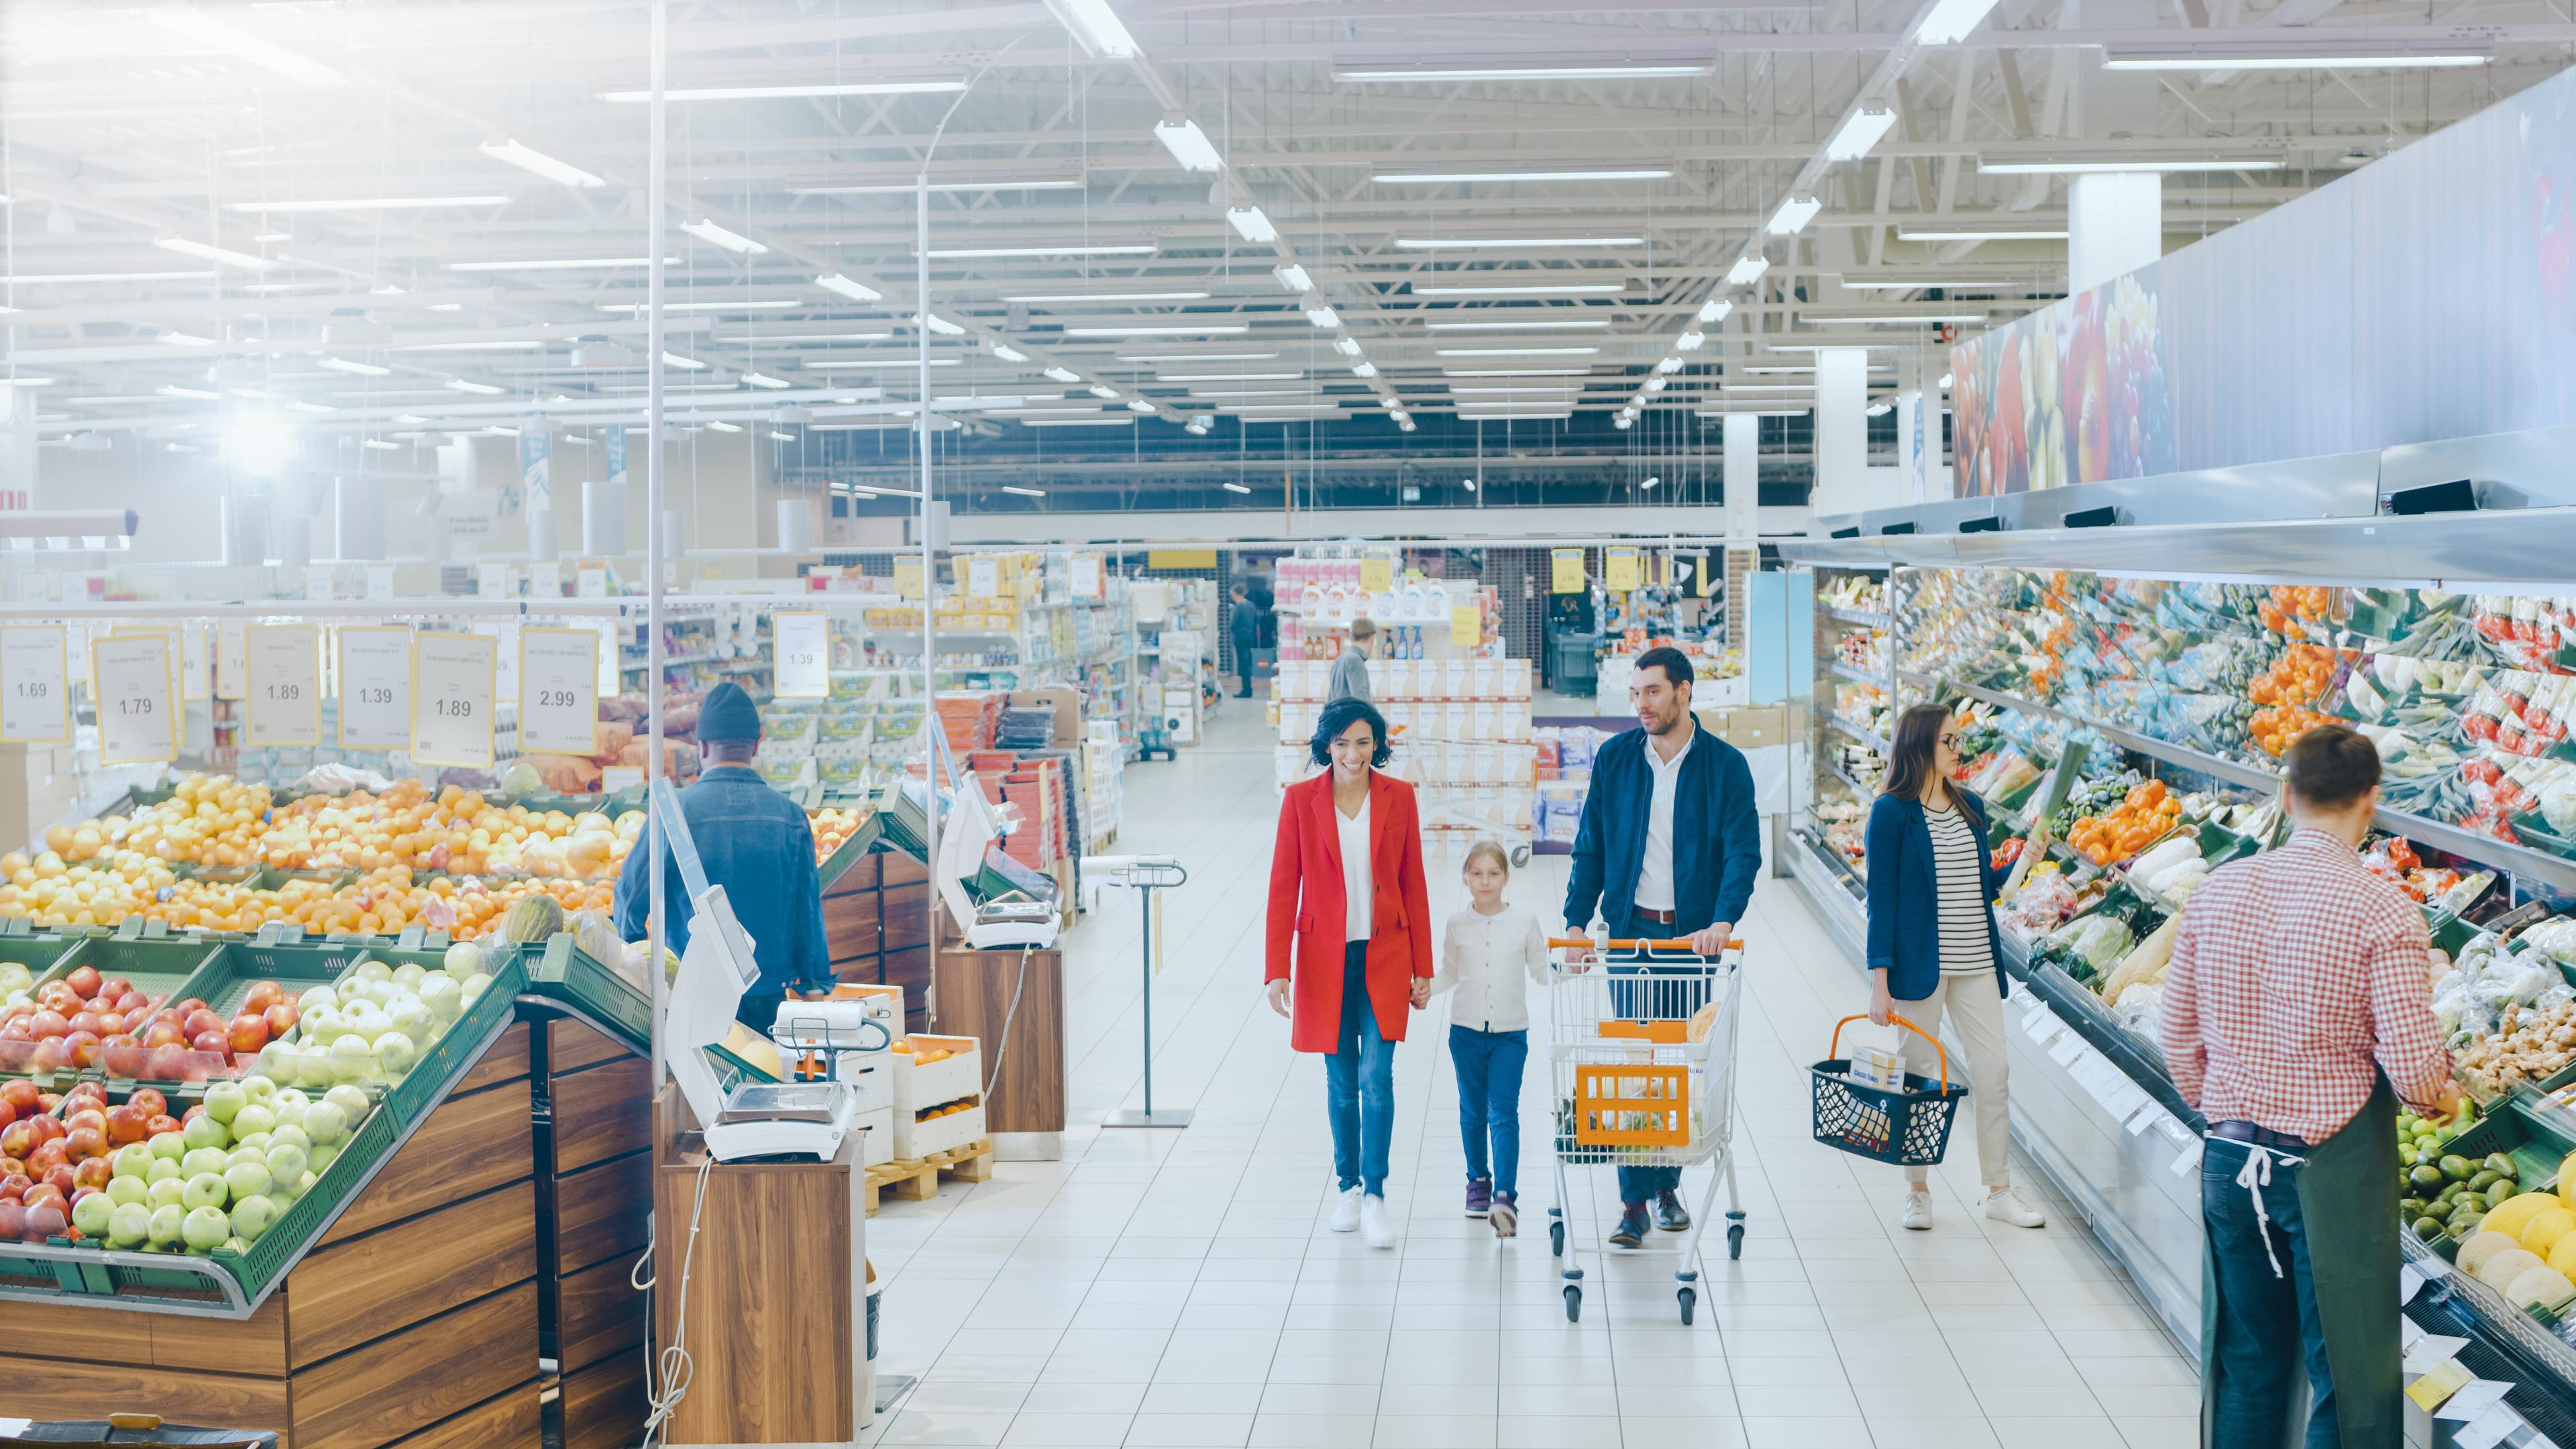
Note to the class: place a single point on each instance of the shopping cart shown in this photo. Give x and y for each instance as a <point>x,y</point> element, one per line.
<point>1642,1052</point>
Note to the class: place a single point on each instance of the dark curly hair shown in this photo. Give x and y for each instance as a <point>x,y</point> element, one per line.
<point>1340,715</point>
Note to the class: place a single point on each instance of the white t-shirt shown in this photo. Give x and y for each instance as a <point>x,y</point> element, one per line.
<point>1655,869</point>
<point>1355,870</point>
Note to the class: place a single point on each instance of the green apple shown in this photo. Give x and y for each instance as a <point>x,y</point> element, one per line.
<point>167,1192</point>
<point>165,1225</point>
<point>224,1100</point>
<point>124,1190</point>
<point>251,1120</point>
<point>205,1190</point>
<point>132,1160</point>
<point>168,1144</point>
<point>252,1216</point>
<point>165,1170</point>
<point>129,1225</point>
<point>246,1180</point>
<point>203,1160</point>
<point>204,1132</point>
<point>204,1229</point>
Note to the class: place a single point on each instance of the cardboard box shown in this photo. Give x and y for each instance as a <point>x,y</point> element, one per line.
<point>1749,728</point>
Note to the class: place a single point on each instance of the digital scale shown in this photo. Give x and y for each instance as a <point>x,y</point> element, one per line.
<point>996,925</point>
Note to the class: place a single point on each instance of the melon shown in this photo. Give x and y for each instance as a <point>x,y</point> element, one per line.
<point>2546,1227</point>
<point>596,935</point>
<point>2563,1256</point>
<point>2567,1180</point>
<point>532,917</point>
<point>2484,1245</point>
<point>2507,1265</point>
<point>2542,1287</point>
<point>2515,1213</point>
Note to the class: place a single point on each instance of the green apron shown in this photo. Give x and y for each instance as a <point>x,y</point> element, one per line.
<point>2353,1259</point>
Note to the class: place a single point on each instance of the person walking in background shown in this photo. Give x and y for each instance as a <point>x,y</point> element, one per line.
<point>1350,672</point>
<point>1348,945</point>
<point>1485,952</point>
<point>1932,942</point>
<point>1243,624</point>
<point>2297,1010</point>
<point>1669,845</point>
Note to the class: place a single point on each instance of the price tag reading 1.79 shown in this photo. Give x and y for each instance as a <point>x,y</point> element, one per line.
<point>803,644</point>
<point>375,688</point>
<point>136,720</point>
<point>452,688</point>
<point>559,691</point>
<point>283,678</point>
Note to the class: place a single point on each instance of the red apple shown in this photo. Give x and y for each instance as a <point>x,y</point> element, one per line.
<point>111,1023</point>
<point>43,1192</point>
<point>59,1178</point>
<point>61,998</point>
<point>164,1033</point>
<point>83,979</point>
<point>42,1222</point>
<point>8,1116</point>
<point>46,1056</point>
<point>51,1129</point>
<point>84,1116</point>
<point>193,1003</point>
<point>211,1041</point>
<point>132,1002</point>
<point>114,987</point>
<point>16,1029</point>
<point>94,1172</point>
<point>280,1019</point>
<point>95,1023</point>
<point>169,1063</point>
<point>84,1143</point>
<point>49,1024</point>
<point>48,1101</point>
<point>12,1167</point>
<point>81,1048</point>
<point>15,1184</point>
<point>123,1039</point>
<point>158,1125</point>
<point>263,995</point>
<point>19,1139</point>
<point>125,1124</point>
<point>200,1021</point>
<point>248,1033</point>
<point>149,1101</point>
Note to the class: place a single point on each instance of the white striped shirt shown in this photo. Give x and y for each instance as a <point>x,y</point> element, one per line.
<point>1965,946</point>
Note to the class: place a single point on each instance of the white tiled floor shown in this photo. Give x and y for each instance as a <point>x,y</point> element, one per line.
<point>1180,1288</point>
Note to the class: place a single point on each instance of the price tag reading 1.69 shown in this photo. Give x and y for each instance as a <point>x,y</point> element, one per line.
<point>452,688</point>
<point>802,641</point>
<point>283,679</point>
<point>375,688</point>
<point>559,691</point>
<point>136,709</point>
<point>35,702</point>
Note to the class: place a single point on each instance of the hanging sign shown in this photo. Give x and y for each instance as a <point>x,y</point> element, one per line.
<point>802,645</point>
<point>907,576</point>
<point>545,579</point>
<point>492,581</point>
<point>606,629</point>
<point>616,460</point>
<point>536,468</point>
<point>983,577</point>
<point>318,584</point>
<point>375,687</point>
<point>228,660</point>
<point>35,695</point>
<point>1565,571</point>
<point>285,685</point>
<point>137,709</point>
<point>559,691</point>
<point>178,654</point>
<point>1466,626</point>
<point>1086,576</point>
<point>196,661</point>
<point>380,581</point>
<point>453,681</point>
<point>1377,575</point>
<point>590,581</point>
<point>1619,570</point>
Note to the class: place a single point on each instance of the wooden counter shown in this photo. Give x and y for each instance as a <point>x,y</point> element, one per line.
<point>975,990</point>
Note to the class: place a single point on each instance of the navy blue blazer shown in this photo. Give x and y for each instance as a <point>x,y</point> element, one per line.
<point>1717,837</point>
<point>1905,899</point>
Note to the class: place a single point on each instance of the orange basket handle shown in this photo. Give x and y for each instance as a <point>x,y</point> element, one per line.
<point>1639,943</point>
<point>1835,1050</point>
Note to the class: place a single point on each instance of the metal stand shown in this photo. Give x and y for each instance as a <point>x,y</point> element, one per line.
<point>1147,873</point>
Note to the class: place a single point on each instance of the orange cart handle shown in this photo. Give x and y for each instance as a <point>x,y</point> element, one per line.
<point>1835,1050</point>
<point>1638,943</point>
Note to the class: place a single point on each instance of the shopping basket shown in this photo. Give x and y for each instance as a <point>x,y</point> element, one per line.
<point>1909,1128</point>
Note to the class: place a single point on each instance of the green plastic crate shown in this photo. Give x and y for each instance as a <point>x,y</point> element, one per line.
<point>458,1046</point>
<point>157,967</point>
<point>308,1217</point>
<point>563,971</point>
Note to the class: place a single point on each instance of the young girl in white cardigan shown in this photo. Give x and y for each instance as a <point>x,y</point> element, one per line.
<point>1485,952</point>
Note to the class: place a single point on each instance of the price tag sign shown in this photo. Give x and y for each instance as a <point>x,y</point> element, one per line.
<point>492,581</point>
<point>196,661</point>
<point>907,576</point>
<point>380,581</point>
<point>607,631</point>
<point>35,692</point>
<point>453,678</point>
<point>285,676</point>
<point>983,577</point>
<point>803,647</point>
<point>1565,571</point>
<point>375,688</point>
<point>228,660</point>
<point>1086,576</point>
<point>1377,575</point>
<point>545,579</point>
<point>318,584</point>
<point>559,691</point>
<point>590,581</point>
<point>1619,570</point>
<point>137,704</point>
<point>1466,626</point>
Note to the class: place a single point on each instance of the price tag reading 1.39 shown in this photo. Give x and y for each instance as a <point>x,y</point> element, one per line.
<point>804,647</point>
<point>282,673</point>
<point>375,688</point>
<point>136,720</point>
<point>35,700</point>
<point>452,688</point>
<point>559,691</point>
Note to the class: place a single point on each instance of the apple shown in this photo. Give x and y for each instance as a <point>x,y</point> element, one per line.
<point>443,998</point>
<point>128,1190</point>
<point>113,987</point>
<point>171,1145</point>
<point>253,1118</point>
<point>165,1191</point>
<point>48,1023</point>
<point>48,1056</point>
<point>290,1136</point>
<point>326,1122</point>
<point>279,1061</point>
<point>133,1160</point>
<point>254,1143</point>
<point>111,1023</point>
<point>280,1019</point>
<point>259,1089</point>
<point>13,1222</point>
<point>224,1099</point>
<point>43,1222</point>
<point>248,1033</point>
<point>163,1034</point>
<point>246,1180</point>
<point>18,1139</point>
<point>204,1132</point>
<point>396,1053</point>
<point>90,1214</point>
<point>95,1023</point>
<point>125,1124</point>
<point>20,1094</point>
<point>84,1143</point>
<point>59,1177</point>
<point>204,1190</point>
<point>203,1160</point>
<point>351,1059</point>
<point>169,1061</point>
<point>81,1049</point>
<point>43,1193</point>
<point>200,1021</point>
<point>193,1003</point>
<point>204,1229</point>
<point>286,1162</point>
<point>371,971</point>
<point>92,1172</point>
<point>252,1216</point>
<point>15,1185</point>
<point>213,1042</point>
<point>166,1221</point>
<point>408,975</point>
<point>129,1224</point>
<point>319,996</point>
<point>131,1002</point>
<point>263,995</point>
<point>324,1153</point>
<point>159,1125</point>
<point>83,980</point>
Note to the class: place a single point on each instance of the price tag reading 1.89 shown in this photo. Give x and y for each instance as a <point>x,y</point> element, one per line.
<point>35,700</point>
<point>559,691</point>
<point>803,644</point>
<point>375,688</point>
<point>136,720</point>
<point>452,687</point>
<point>283,675</point>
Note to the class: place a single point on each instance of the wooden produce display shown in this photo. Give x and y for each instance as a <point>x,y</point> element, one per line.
<point>411,1324</point>
<point>976,989</point>
<point>876,927</point>
<point>594,1191</point>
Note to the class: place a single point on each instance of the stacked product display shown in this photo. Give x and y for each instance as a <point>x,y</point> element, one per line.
<point>1462,733</point>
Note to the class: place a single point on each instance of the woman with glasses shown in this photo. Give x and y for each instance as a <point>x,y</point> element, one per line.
<point>1933,949</point>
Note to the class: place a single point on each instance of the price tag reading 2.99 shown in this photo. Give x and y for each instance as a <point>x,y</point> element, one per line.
<point>452,686</point>
<point>559,691</point>
<point>283,679</point>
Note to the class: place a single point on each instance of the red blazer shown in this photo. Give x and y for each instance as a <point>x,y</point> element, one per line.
<point>1306,903</point>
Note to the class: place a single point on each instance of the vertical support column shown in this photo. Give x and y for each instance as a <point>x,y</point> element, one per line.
<point>1742,493</point>
<point>2114,225</point>
<point>1911,483</point>
<point>1842,430</point>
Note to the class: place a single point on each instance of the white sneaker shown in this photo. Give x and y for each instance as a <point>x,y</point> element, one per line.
<point>1346,1211</point>
<point>2007,1205</point>
<point>1918,1211</point>
<point>1375,1230</point>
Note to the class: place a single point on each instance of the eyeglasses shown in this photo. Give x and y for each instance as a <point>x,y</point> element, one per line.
<point>1951,740</point>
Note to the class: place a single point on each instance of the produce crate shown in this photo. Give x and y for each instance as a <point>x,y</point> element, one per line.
<point>157,967</point>
<point>916,1140</point>
<point>2535,1142</point>
<point>942,1081</point>
<point>878,1146</point>
<point>229,973</point>
<point>563,971</point>
<point>861,841</point>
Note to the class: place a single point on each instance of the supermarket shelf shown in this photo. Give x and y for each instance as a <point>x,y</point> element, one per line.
<point>2520,859</point>
<point>1865,736</point>
<point>1866,617</point>
<point>1856,673</point>
<point>1832,889</point>
<point>1864,792</point>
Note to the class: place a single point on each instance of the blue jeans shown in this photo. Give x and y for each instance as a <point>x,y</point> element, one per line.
<point>2259,1315</point>
<point>1359,1083</point>
<point>1489,1100</point>
<point>1662,993</point>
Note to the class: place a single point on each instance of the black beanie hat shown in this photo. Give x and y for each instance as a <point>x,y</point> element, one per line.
<point>727,715</point>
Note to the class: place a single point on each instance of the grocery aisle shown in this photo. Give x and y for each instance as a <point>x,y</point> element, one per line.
<point>1180,1288</point>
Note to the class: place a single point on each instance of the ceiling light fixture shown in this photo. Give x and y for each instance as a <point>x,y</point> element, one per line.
<point>1433,178</point>
<point>2306,58</point>
<point>1468,71</point>
<point>1515,372</point>
<point>511,153</point>
<point>1199,426</point>
<point>1030,492</point>
<point>1363,369</point>
<point>1007,353</point>
<point>751,304</point>
<point>184,339</point>
<point>1139,405</point>
<point>1691,341</point>
<point>724,427</point>
<point>210,252</point>
<point>782,437</point>
<point>557,264</point>
<point>1323,317</point>
<point>1055,182</point>
<point>200,26</point>
<point>761,379</point>
<point>458,384</point>
<point>1160,330</point>
<point>939,326</point>
<point>1188,144</point>
<point>1669,365</point>
<point>1567,324</point>
<point>1793,215</point>
<point>706,230</point>
<point>1104,392</point>
<point>196,394</point>
<point>41,279</point>
<point>1976,233</point>
<point>362,369</point>
<point>1065,249</point>
<point>1096,27</point>
<point>1424,244</point>
<point>1104,296</point>
<point>1062,374</point>
<point>1558,289</point>
<point>1651,482</point>
<point>1196,356</point>
<point>1229,377</point>
<point>1251,224</point>
<point>379,445</point>
<point>835,282</point>
<point>946,85</point>
<point>1860,131</point>
<point>1747,271</point>
<point>1949,21</point>
<point>2041,166</point>
<point>1293,278</point>
<point>386,203</point>
<point>1515,351</point>
<point>1234,488</point>
<point>685,364</point>
<point>1347,346</point>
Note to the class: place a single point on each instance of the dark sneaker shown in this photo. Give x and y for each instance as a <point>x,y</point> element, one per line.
<point>1670,1215</point>
<point>1480,1196</point>
<point>1506,1215</point>
<point>1632,1229</point>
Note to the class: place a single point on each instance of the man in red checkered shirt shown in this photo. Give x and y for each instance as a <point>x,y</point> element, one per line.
<point>2296,1012</point>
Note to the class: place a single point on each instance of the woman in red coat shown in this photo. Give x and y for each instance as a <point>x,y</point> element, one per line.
<point>1346,884</point>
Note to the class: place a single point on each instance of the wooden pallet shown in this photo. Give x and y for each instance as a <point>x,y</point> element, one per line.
<point>917,1179</point>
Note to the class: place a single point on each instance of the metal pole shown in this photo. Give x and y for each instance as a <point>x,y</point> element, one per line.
<point>1145,903</point>
<point>653,204</point>
<point>929,571</point>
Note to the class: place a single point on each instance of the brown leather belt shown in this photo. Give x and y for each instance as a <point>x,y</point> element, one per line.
<point>1660,918</point>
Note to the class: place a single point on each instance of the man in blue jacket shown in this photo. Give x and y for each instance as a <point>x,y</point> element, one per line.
<point>1669,845</point>
<point>754,842</point>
